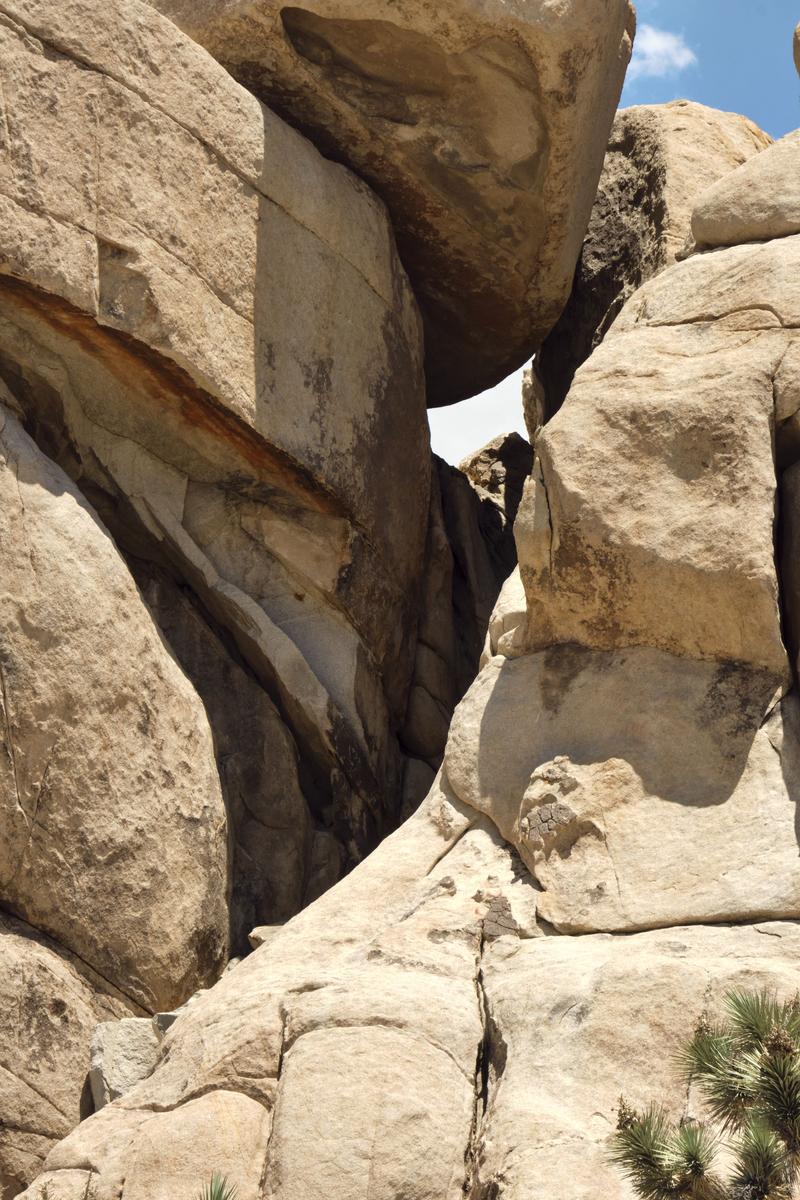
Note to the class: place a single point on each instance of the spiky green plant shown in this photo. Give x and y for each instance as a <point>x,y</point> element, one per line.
<point>747,1069</point>
<point>217,1188</point>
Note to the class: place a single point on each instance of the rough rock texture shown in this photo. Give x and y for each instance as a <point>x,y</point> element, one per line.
<point>674,544</point>
<point>583,1017</point>
<point>457,1017</point>
<point>506,632</point>
<point>123,1053</point>
<point>482,126</point>
<point>660,158</point>
<point>113,826</point>
<point>54,1002</point>
<point>498,472</point>
<point>760,200</point>
<point>265,471</point>
<point>253,468</point>
<point>619,831</point>
<point>417,978</point>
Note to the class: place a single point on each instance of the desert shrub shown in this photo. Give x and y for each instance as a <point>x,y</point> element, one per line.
<point>747,1069</point>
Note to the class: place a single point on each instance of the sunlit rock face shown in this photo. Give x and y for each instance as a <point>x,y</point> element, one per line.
<point>226,594</point>
<point>481,125</point>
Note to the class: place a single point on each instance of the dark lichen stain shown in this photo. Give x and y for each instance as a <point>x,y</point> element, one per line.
<point>563,664</point>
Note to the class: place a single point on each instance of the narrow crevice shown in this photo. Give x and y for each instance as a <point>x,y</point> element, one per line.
<point>543,480</point>
<point>490,1065</point>
<point>282,1051</point>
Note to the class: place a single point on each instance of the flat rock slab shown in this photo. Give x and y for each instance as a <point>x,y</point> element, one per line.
<point>758,201</point>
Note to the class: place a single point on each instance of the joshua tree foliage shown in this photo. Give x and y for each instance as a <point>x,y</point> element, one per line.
<point>217,1188</point>
<point>747,1069</point>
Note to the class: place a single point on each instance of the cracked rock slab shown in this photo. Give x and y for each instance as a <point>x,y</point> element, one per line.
<point>356,1031</point>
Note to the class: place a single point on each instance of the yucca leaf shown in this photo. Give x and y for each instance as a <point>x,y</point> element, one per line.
<point>692,1151</point>
<point>752,1015</point>
<point>217,1188</point>
<point>777,1101</point>
<point>762,1166</point>
<point>747,1070</point>
<point>641,1149</point>
<point>727,1083</point>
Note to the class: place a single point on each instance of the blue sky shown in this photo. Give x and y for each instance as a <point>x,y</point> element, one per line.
<point>730,54</point>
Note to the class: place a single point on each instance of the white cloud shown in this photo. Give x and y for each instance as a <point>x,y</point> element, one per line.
<point>657,53</point>
<point>458,430</point>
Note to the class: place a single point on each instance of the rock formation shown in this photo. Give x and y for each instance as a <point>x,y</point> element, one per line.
<point>218,491</point>
<point>51,1004</point>
<point>759,201</point>
<point>240,600</point>
<point>480,125</point>
<point>660,158</point>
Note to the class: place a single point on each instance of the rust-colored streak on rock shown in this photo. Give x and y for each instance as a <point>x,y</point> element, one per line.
<point>168,384</point>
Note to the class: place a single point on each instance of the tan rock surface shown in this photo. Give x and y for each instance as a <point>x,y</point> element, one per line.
<point>628,758</point>
<point>674,544</point>
<point>216,276</point>
<point>122,1054</point>
<point>419,979</point>
<point>660,159</point>
<point>640,789</point>
<point>508,621</point>
<point>578,1021</point>
<point>482,126</point>
<point>758,201</point>
<point>113,826</point>
<point>50,1004</point>
<point>345,1031</point>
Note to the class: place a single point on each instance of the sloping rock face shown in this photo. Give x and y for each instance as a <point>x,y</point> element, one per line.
<point>630,766</point>
<point>660,159</point>
<point>480,125</point>
<point>113,826</point>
